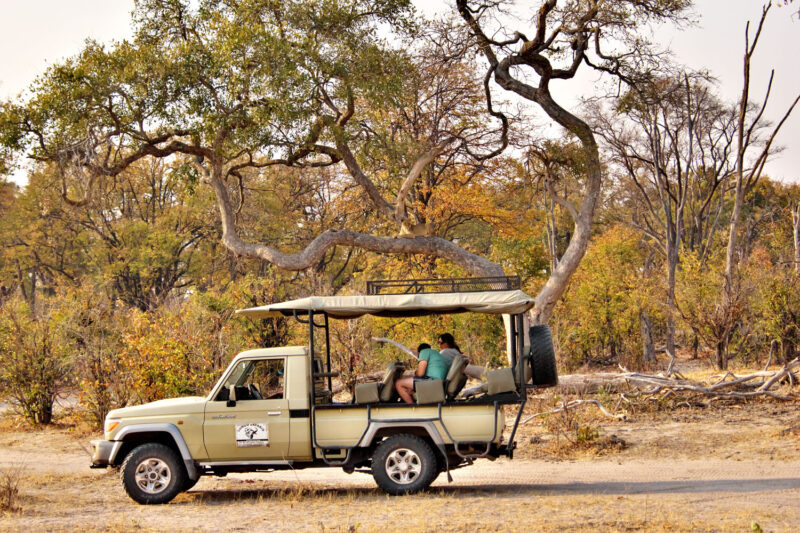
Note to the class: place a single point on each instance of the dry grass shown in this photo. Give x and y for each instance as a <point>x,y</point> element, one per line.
<point>61,493</point>
<point>246,505</point>
<point>10,481</point>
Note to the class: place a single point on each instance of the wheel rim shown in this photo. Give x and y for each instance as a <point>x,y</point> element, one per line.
<point>403,466</point>
<point>153,475</point>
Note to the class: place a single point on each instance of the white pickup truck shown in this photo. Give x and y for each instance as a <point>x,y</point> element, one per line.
<point>273,407</point>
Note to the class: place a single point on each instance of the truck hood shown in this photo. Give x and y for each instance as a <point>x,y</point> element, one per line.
<point>170,406</point>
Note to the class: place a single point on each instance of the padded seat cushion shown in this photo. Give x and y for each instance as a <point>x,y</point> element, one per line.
<point>429,391</point>
<point>387,390</point>
<point>500,380</point>
<point>367,393</point>
<point>455,376</point>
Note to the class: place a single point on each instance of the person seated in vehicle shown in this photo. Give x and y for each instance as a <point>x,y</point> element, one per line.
<point>448,347</point>
<point>432,365</point>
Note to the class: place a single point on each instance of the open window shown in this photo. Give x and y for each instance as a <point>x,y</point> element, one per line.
<point>255,379</point>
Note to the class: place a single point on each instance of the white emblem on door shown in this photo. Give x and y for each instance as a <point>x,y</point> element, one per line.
<point>252,434</point>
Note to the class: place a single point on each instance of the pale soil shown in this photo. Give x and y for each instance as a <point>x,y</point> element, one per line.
<point>700,469</point>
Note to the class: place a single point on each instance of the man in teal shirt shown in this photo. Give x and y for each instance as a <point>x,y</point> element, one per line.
<point>437,366</point>
<point>431,366</point>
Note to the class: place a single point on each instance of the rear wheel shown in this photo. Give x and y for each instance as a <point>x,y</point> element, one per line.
<point>543,357</point>
<point>152,473</point>
<point>404,464</point>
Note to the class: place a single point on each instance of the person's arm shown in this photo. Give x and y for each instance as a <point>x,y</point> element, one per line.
<point>421,367</point>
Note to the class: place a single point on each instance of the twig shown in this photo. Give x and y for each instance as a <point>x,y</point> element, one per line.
<point>787,369</point>
<point>574,404</point>
<point>771,348</point>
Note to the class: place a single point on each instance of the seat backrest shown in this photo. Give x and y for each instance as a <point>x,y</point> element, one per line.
<point>455,376</point>
<point>393,371</point>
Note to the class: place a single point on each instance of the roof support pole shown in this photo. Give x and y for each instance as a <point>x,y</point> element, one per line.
<point>328,352</point>
<point>520,352</point>
<point>512,339</point>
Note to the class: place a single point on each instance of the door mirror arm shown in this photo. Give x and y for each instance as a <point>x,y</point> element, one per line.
<point>231,396</point>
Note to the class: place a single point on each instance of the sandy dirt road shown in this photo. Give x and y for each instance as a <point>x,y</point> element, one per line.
<point>696,470</point>
<point>619,494</point>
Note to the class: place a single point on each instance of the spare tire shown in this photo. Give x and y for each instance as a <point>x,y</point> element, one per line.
<point>543,357</point>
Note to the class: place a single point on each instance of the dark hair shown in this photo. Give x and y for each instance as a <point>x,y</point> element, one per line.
<point>423,346</point>
<point>448,339</point>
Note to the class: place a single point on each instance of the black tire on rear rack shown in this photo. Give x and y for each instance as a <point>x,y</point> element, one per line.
<point>543,357</point>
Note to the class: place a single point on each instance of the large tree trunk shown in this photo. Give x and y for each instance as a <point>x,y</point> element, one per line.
<point>648,349</point>
<point>672,266</point>
<point>568,263</point>
<point>721,354</point>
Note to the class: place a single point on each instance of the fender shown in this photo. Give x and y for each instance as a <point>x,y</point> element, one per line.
<point>170,429</point>
<point>369,435</point>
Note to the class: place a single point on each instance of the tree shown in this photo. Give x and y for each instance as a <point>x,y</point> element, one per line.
<point>671,141</point>
<point>230,89</point>
<point>567,35</point>
<point>749,123</point>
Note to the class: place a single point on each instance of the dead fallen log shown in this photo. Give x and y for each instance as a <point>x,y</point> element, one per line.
<point>757,383</point>
<point>633,387</point>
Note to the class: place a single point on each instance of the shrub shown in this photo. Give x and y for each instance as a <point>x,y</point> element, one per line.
<point>10,479</point>
<point>34,368</point>
<point>94,328</point>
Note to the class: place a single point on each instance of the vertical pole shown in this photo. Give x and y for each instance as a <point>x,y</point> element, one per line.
<point>311,410</point>
<point>311,357</point>
<point>521,351</point>
<point>328,352</point>
<point>512,333</point>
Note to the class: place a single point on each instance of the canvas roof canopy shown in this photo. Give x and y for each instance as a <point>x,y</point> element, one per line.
<point>399,305</point>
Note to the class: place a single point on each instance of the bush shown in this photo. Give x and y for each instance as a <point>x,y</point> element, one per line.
<point>600,319</point>
<point>34,368</point>
<point>10,479</point>
<point>95,328</point>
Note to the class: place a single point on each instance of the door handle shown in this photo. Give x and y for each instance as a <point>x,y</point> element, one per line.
<point>273,413</point>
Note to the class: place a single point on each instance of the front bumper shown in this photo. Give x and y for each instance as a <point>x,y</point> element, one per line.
<point>103,453</point>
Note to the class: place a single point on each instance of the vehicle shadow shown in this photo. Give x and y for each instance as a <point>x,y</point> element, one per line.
<point>306,491</point>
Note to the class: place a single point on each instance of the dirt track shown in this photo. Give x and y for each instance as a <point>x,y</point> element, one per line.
<point>692,470</point>
<point>602,494</point>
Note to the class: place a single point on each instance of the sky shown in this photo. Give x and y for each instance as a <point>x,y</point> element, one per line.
<point>37,33</point>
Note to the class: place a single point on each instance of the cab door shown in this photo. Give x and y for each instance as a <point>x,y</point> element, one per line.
<point>256,426</point>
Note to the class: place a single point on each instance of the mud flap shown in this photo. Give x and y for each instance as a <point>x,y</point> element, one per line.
<point>446,462</point>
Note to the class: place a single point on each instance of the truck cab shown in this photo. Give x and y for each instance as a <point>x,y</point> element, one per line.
<point>273,408</point>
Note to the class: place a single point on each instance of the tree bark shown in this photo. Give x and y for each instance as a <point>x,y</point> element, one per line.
<point>527,55</point>
<point>796,234</point>
<point>648,349</point>
<point>568,263</point>
<point>313,252</point>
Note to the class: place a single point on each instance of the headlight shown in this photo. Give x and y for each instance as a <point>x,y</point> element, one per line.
<point>110,425</point>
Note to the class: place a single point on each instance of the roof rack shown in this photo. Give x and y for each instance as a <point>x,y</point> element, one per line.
<point>420,286</point>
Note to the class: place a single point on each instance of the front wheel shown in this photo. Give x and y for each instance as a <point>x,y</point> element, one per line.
<point>404,464</point>
<point>152,473</point>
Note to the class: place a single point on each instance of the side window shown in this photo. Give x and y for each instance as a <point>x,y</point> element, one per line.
<point>259,379</point>
<point>267,378</point>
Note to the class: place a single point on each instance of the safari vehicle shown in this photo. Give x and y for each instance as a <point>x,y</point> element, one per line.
<point>273,408</point>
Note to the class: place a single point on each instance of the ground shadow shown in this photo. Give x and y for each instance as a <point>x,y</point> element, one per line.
<point>310,491</point>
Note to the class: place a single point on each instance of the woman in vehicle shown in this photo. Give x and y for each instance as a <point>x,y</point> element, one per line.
<point>432,364</point>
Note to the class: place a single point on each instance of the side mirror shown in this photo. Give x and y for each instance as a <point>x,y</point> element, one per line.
<point>231,396</point>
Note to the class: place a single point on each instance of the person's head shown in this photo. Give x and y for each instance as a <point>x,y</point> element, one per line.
<point>446,340</point>
<point>423,346</point>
